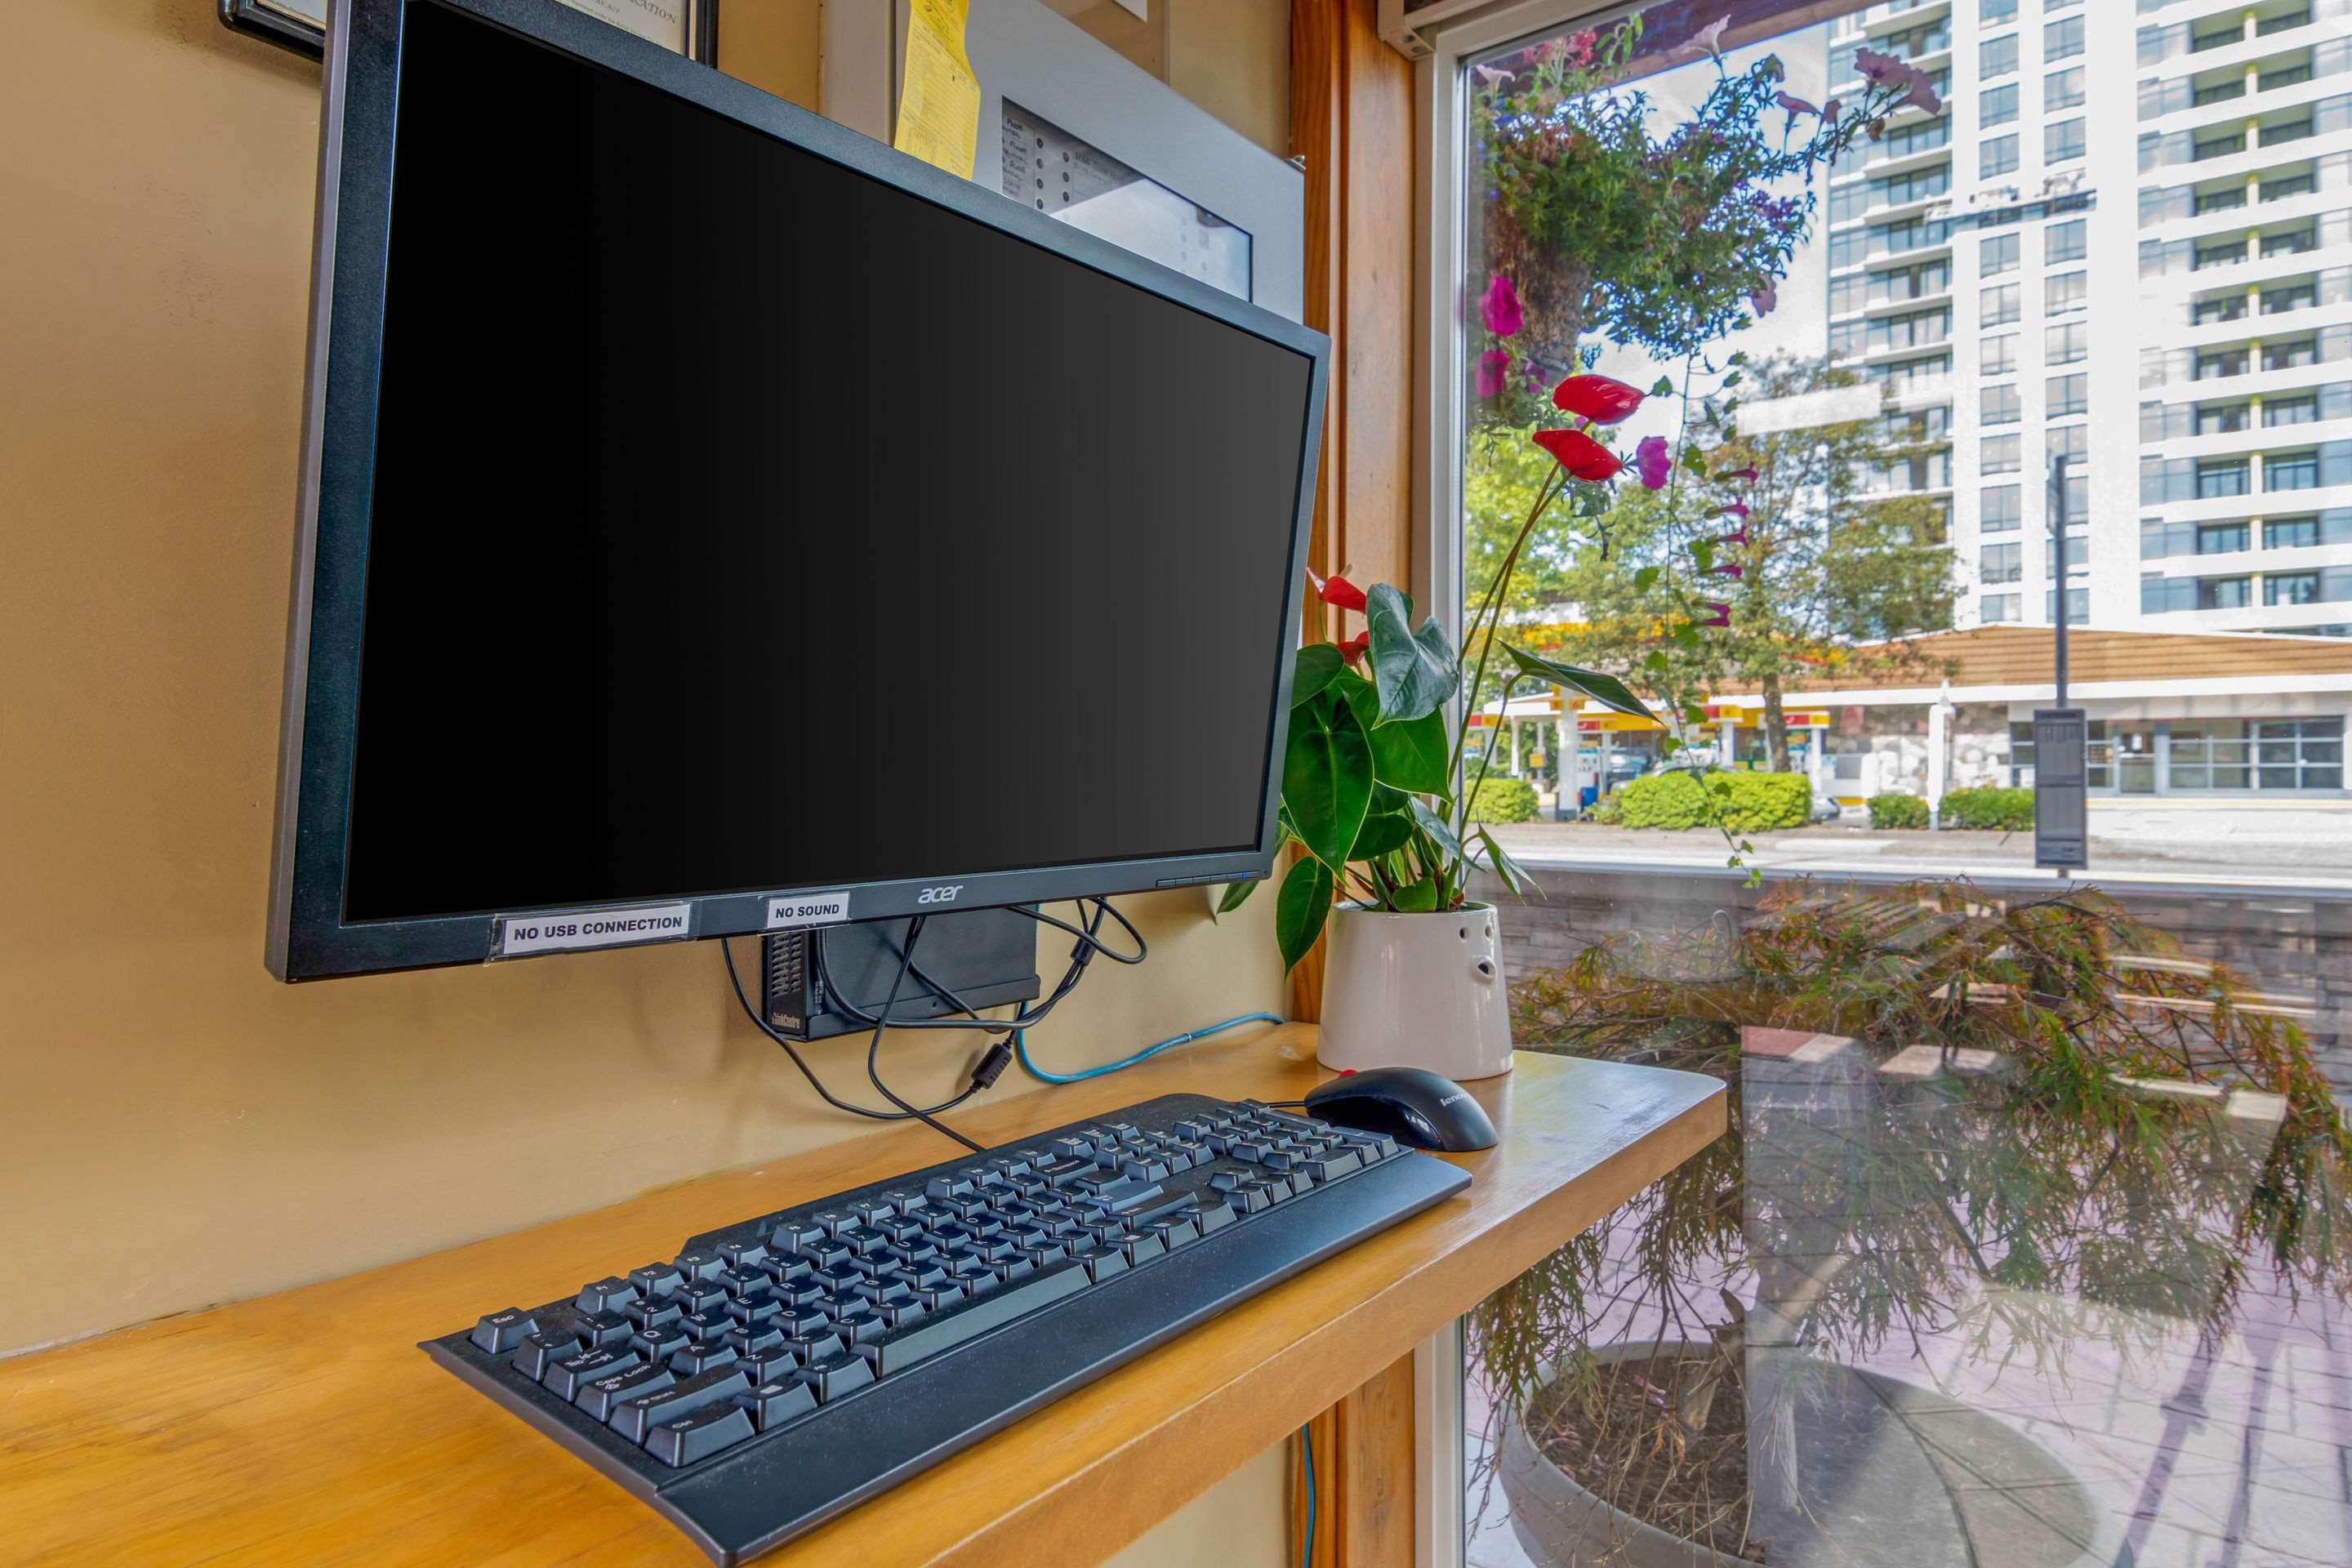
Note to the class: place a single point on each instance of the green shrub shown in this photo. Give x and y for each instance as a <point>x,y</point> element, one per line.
<point>1502,800</point>
<point>2000,810</point>
<point>1609,811</point>
<point>1663,800</point>
<point>1759,802</point>
<point>1897,811</point>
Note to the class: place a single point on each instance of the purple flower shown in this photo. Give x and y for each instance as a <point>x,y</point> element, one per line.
<point>1764,299</point>
<point>1652,462</point>
<point>1830,109</point>
<point>1491,366</point>
<point>1737,509</point>
<point>1882,70</point>
<point>1500,306</point>
<point>1728,569</point>
<point>1747,474</point>
<point>1924,96</point>
<point>1794,105</point>
<point>1739,539</point>
<point>1719,613</point>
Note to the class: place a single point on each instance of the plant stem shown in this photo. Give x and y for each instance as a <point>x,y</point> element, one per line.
<point>1552,486</point>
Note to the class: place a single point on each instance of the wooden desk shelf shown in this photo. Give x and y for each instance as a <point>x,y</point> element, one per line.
<point>306,1428</point>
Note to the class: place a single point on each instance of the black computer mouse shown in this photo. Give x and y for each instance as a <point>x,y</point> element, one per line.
<point>1411,1105</point>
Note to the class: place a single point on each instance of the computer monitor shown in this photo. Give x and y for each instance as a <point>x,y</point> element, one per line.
<point>713,521</point>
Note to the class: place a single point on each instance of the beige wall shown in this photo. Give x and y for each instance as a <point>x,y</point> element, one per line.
<point>176,1129</point>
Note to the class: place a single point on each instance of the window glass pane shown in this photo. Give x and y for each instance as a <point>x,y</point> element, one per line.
<point>2068,338</point>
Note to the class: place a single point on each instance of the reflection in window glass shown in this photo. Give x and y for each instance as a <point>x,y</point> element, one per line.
<point>1953,1290</point>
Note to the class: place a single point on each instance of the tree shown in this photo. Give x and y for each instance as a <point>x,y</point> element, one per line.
<point>1816,564</point>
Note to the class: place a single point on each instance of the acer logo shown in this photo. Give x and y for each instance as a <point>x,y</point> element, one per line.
<point>946,895</point>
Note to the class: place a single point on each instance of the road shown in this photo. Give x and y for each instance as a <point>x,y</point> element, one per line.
<point>2221,842</point>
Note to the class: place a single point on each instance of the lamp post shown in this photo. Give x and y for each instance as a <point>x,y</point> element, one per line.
<point>2061,734</point>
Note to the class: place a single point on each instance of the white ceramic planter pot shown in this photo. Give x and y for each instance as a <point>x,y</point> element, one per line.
<point>1416,991</point>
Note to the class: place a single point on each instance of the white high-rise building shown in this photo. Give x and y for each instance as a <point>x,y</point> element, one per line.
<point>2122,254</point>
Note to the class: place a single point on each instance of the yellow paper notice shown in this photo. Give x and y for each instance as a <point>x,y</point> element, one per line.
<point>938,103</point>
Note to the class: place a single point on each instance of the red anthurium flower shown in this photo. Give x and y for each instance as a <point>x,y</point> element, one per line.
<point>1597,398</point>
<point>1580,454</point>
<point>1500,306</point>
<point>1337,591</point>
<point>1651,462</point>
<point>1491,366</point>
<point>1351,652</point>
<point>1719,613</point>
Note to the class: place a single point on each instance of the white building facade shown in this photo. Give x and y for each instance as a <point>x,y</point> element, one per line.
<point>2108,292</point>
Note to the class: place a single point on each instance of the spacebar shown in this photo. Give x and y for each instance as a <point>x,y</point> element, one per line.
<point>944,1330</point>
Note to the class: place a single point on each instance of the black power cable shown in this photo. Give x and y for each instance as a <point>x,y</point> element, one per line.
<point>874,1046</point>
<point>990,1068</point>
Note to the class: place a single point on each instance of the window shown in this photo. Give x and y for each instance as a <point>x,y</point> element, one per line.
<point>1997,155</point>
<point>2063,141</point>
<point>1997,607</point>
<point>1993,11</point>
<point>2224,592</point>
<point>2291,242</point>
<point>2159,539</point>
<point>2221,91</point>
<point>1998,253</point>
<point>2218,36</point>
<point>1999,509</point>
<point>2229,308</point>
<point>2166,595</point>
<point>2062,39</point>
<point>1998,356</point>
<point>2291,588</point>
<point>2286,130</point>
<point>2222,253</point>
<point>2214,363</point>
<point>2290,533</point>
<point>2282,21</point>
<point>2299,753</point>
<point>1997,405</point>
<point>2293,74</point>
<point>1997,105</point>
<point>2221,144</point>
<point>1998,455</point>
<point>2291,471</point>
<point>2218,477</point>
<point>2291,356</point>
<point>2278,188</point>
<point>2209,754</point>
<point>2223,538</point>
<point>2064,291</point>
<point>2223,418</point>
<point>2290,296</point>
<point>2067,241</point>
<point>2223,200</point>
<point>2062,89</point>
<point>1998,306</point>
<point>1997,56</point>
<point>2300,409</point>
<point>2065,343</point>
<point>2078,605</point>
<point>2002,563</point>
<point>2068,395</point>
<point>2072,442</point>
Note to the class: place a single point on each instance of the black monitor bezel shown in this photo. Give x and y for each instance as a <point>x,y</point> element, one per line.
<point>308,938</point>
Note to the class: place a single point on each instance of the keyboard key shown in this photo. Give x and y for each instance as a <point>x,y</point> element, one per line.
<point>743,1252</point>
<point>1335,1165</point>
<point>814,1348</point>
<point>569,1376</point>
<point>833,1222</point>
<point>865,1239</point>
<point>799,1236</point>
<point>1102,1262</point>
<point>700,1434</point>
<point>869,1210</point>
<point>754,1341</point>
<point>709,1357</point>
<point>944,1330</point>
<point>600,1397</point>
<point>836,1375</point>
<point>656,1279</point>
<point>647,1315</point>
<point>704,1327</point>
<point>699,1263</point>
<point>775,1402</point>
<point>860,1324</point>
<point>639,1413</point>
<point>783,1269</point>
<point>954,1186</point>
<point>702,1295</point>
<point>1142,1248</point>
<point>498,1333</point>
<point>761,1308</point>
<point>660,1345</point>
<point>537,1352</point>
<point>742,1281</point>
<point>609,1294</point>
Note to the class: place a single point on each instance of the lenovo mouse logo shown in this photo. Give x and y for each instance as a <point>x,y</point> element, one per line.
<point>1457,1094</point>
<point>946,895</point>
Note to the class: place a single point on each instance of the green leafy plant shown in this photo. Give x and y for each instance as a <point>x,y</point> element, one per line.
<point>1503,801</point>
<point>1674,800</point>
<point>1897,811</point>
<point>1758,803</point>
<point>1999,810</point>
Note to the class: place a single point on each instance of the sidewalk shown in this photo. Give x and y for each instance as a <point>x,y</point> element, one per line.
<point>2196,842</point>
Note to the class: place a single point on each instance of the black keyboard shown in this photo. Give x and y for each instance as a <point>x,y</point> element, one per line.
<point>779,1371</point>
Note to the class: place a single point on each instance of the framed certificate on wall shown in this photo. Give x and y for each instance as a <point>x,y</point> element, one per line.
<point>689,27</point>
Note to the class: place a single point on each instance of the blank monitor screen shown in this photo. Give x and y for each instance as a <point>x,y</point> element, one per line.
<point>743,522</point>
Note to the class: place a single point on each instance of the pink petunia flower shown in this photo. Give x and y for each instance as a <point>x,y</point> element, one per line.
<point>1491,366</point>
<point>1652,462</point>
<point>1764,299</point>
<point>1795,105</point>
<point>1500,307</point>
